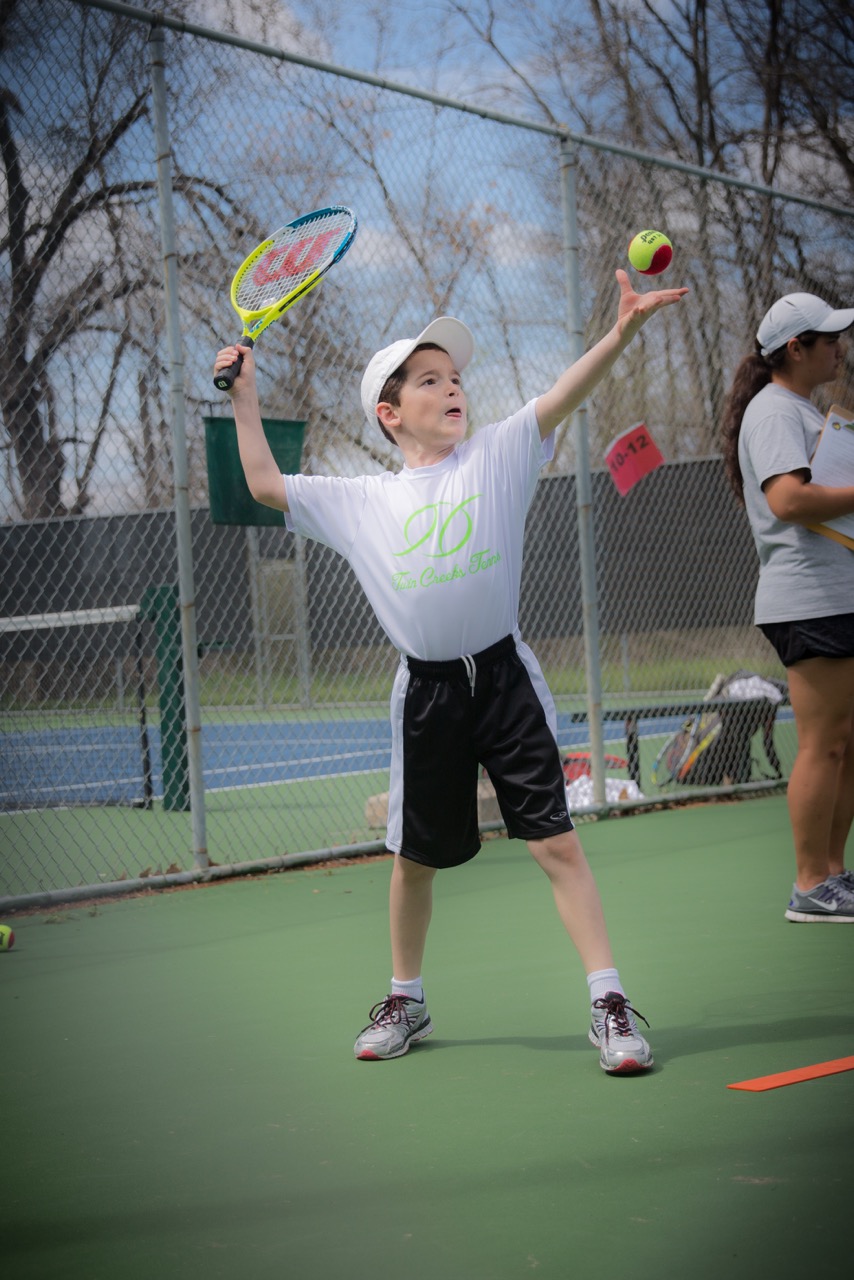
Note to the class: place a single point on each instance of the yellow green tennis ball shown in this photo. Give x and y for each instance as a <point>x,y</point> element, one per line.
<point>650,252</point>
<point>7,938</point>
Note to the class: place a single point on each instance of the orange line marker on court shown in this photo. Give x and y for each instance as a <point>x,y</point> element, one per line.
<point>761,1083</point>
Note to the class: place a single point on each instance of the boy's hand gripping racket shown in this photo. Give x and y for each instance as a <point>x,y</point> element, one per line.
<point>284,268</point>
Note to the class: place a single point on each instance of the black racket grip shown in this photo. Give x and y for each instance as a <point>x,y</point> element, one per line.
<point>224,380</point>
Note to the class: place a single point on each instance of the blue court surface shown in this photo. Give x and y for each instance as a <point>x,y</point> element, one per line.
<point>103,765</point>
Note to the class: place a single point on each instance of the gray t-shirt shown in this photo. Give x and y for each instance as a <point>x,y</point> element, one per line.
<point>801,574</point>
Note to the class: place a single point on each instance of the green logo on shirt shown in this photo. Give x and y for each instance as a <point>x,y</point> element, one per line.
<point>427,522</point>
<point>447,532</point>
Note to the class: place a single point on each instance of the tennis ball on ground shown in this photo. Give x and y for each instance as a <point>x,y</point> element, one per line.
<point>650,252</point>
<point>7,938</point>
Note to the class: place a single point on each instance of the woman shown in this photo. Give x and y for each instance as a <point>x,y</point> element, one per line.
<point>805,596</point>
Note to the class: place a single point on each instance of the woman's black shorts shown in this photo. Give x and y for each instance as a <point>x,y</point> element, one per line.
<point>831,637</point>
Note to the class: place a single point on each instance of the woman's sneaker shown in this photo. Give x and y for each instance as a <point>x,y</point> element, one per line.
<point>622,1048</point>
<point>396,1023</point>
<point>830,902</point>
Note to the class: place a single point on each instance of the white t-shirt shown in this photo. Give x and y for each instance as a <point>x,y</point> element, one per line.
<point>437,550</point>
<point>801,574</point>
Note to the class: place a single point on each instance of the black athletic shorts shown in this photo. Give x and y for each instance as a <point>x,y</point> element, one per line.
<point>831,637</point>
<point>481,710</point>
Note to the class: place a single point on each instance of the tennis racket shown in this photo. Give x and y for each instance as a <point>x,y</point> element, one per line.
<point>284,268</point>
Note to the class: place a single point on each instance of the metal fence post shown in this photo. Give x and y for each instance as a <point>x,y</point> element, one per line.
<point>260,625</point>
<point>583,484</point>
<point>303,623</point>
<point>183,529</point>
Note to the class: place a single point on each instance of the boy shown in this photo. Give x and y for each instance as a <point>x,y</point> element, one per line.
<point>437,548</point>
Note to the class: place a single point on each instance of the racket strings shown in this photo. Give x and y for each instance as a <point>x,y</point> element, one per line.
<point>290,259</point>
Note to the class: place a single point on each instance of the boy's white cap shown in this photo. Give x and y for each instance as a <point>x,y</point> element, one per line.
<point>452,335</point>
<point>798,313</point>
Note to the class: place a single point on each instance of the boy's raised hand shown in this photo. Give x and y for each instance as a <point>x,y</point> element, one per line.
<point>226,358</point>
<point>577,382</point>
<point>636,308</point>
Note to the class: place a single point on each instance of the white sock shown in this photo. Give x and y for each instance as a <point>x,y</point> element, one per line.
<point>601,981</point>
<point>412,988</point>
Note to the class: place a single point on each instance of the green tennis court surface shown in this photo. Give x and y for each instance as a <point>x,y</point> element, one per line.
<point>180,1099</point>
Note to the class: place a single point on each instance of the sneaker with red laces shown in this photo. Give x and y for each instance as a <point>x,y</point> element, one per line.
<point>622,1048</point>
<point>396,1023</point>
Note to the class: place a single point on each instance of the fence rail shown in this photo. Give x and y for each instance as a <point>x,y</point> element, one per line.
<point>264,692</point>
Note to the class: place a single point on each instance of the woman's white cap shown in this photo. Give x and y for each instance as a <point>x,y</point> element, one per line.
<point>799,313</point>
<point>449,334</point>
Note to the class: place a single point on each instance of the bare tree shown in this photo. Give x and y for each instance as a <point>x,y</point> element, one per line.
<point>60,184</point>
<point>81,294</point>
<point>800,58</point>
<point>759,91</point>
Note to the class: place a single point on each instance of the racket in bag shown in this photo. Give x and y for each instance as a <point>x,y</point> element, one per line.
<point>713,748</point>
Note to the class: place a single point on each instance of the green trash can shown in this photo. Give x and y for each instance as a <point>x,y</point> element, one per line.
<point>230,499</point>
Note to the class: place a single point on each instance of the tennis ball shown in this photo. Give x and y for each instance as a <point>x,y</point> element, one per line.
<point>7,938</point>
<point>650,252</point>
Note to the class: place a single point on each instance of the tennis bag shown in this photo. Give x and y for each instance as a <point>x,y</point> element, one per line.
<point>713,748</point>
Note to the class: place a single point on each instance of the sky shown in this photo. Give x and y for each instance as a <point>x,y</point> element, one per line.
<point>402,44</point>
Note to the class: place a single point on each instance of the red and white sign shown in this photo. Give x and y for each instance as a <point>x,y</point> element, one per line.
<point>631,457</point>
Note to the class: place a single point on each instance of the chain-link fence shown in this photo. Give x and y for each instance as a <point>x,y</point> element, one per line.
<point>182,695</point>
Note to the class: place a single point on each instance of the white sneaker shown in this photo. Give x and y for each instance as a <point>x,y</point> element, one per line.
<point>396,1023</point>
<point>622,1048</point>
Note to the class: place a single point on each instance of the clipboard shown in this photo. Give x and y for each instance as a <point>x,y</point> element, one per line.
<point>832,464</point>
